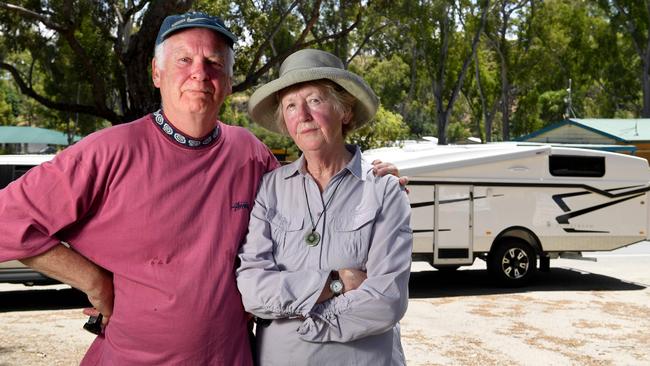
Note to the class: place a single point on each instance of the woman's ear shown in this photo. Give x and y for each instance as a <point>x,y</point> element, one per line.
<point>347,116</point>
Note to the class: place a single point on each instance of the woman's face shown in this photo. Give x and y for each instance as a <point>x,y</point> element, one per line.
<point>311,118</point>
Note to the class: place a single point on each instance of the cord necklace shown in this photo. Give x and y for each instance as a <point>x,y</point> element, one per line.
<point>313,237</point>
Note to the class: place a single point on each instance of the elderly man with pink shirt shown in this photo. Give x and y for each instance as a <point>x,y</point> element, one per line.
<point>154,211</point>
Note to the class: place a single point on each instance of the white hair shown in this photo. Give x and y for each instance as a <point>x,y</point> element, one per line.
<point>159,55</point>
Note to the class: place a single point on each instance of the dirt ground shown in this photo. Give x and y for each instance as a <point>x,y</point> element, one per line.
<point>582,313</point>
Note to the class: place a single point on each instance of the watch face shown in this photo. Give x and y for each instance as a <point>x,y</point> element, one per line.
<point>336,286</point>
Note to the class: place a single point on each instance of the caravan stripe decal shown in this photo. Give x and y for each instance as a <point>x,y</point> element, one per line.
<point>601,192</point>
<point>431,203</point>
<point>559,198</point>
<point>564,219</point>
<point>585,231</point>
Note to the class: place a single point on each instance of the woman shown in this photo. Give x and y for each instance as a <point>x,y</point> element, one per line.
<point>328,253</point>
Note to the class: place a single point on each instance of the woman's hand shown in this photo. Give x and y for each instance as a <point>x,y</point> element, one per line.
<point>351,278</point>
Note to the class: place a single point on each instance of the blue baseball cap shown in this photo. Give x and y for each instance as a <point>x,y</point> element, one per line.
<point>195,19</point>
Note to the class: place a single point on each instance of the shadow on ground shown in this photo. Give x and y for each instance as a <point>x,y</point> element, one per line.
<point>424,284</point>
<point>39,299</point>
<point>432,284</point>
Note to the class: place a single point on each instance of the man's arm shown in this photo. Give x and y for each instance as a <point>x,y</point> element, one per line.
<point>66,265</point>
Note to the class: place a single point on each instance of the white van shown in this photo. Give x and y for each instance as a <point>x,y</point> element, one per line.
<point>13,167</point>
<point>512,203</point>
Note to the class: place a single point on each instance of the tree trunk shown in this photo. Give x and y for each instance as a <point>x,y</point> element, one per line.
<point>143,98</point>
<point>442,126</point>
<point>505,103</point>
<point>645,79</point>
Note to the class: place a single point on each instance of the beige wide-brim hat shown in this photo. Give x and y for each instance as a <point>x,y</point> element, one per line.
<point>308,65</point>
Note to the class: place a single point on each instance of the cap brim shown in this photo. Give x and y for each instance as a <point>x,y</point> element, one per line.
<point>229,36</point>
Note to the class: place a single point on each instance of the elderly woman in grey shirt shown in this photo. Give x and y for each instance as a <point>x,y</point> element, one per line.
<point>328,253</point>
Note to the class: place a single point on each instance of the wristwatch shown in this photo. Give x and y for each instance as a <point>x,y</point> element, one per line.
<point>336,285</point>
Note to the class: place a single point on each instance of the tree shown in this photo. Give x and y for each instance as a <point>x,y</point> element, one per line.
<point>104,48</point>
<point>632,18</point>
<point>500,28</point>
<point>387,129</point>
<point>448,51</point>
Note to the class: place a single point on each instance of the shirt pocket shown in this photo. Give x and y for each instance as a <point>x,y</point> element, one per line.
<point>353,234</point>
<point>287,235</point>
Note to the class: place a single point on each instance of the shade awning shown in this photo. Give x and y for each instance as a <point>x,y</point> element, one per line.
<point>32,135</point>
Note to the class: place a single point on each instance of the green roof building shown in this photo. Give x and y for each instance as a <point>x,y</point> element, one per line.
<point>20,139</point>
<point>619,135</point>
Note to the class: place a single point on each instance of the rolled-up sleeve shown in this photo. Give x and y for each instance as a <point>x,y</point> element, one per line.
<point>381,301</point>
<point>268,292</point>
<point>34,208</point>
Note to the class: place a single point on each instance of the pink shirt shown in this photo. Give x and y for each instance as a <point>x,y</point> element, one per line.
<point>167,220</point>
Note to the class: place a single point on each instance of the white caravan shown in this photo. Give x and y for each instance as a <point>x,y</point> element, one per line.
<point>510,203</point>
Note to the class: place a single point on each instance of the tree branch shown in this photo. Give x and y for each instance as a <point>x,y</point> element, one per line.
<point>461,77</point>
<point>267,41</point>
<point>30,14</point>
<point>365,40</point>
<point>251,78</point>
<point>98,86</point>
<point>29,91</point>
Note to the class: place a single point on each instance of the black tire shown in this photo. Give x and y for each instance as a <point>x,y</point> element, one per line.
<point>512,263</point>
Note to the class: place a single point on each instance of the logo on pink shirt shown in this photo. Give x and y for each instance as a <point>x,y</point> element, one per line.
<point>240,205</point>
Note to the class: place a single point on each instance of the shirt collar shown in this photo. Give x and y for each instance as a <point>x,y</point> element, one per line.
<point>354,165</point>
<point>179,137</point>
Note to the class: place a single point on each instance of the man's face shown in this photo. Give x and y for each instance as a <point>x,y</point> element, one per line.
<point>193,75</point>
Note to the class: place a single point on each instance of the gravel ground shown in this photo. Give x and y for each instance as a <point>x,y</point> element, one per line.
<point>582,313</point>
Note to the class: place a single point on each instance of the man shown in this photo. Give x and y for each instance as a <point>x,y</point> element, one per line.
<point>154,212</point>
<point>156,208</point>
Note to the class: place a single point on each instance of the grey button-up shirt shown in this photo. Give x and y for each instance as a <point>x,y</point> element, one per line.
<point>365,226</point>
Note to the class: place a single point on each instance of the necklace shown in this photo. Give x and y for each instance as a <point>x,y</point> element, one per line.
<point>313,237</point>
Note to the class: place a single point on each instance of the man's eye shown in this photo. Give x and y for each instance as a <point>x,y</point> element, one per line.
<point>216,63</point>
<point>184,59</point>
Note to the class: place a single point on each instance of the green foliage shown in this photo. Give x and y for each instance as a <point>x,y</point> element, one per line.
<point>389,79</point>
<point>527,115</point>
<point>387,129</point>
<point>276,141</point>
<point>457,132</point>
<point>411,53</point>
<point>8,105</point>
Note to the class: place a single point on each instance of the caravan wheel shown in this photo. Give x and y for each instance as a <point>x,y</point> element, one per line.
<point>512,263</point>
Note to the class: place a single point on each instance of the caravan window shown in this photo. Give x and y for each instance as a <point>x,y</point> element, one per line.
<point>10,173</point>
<point>577,166</point>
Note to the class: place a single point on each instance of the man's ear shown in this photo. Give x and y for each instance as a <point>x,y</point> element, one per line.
<point>155,73</point>
<point>229,86</point>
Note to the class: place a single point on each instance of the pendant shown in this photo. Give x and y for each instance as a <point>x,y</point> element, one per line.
<point>312,238</point>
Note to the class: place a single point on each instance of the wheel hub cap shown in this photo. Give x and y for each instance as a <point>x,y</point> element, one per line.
<point>515,263</point>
